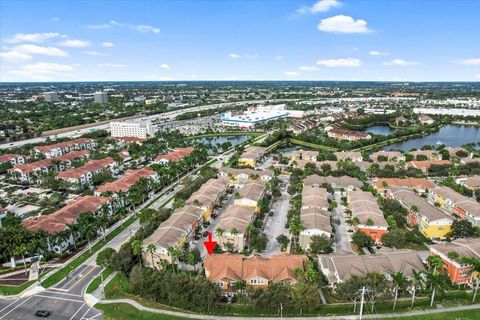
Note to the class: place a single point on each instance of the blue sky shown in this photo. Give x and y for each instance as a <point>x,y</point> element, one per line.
<point>240,40</point>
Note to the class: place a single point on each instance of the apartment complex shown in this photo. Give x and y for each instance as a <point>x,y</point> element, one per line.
<point>314,215</point>
<point>61,148</point>
<point>370,218</point>
<point>251,156</point>
<point>82,176</point>
<point>13,159</point>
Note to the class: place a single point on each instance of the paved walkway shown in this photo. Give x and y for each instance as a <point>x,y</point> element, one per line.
<point>349,317</point>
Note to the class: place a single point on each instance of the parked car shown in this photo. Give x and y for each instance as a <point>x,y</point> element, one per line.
<point>270,213</point>
<point>205,234</point>
<point>42,313</point>
<point>371,250</point>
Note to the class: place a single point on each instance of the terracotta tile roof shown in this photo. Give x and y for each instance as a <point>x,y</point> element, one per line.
<point>62,145</point>
<point>405,183</point>
<point>58,220</point>
<point>90,166</point>
<point>253,153</point>
<point>252,190</point>
<point>125,182</point>
<point>237,267</point>
<point>209,192</point>
<point>129,139</point>
<point>176,155</point>
<point>29,167</point>
<point>8,156</point>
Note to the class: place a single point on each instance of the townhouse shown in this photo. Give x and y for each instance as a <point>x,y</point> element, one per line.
<point>257,272</point>
<point>174,232</point>
<point>208,196</point>
<point>423,155</point>
<point>455,203</point>
<point>314,215</point>
<point>58,149</point>
<point>233,225</point>
<point>251,156</point>
<point>424,119</point>
<point>318,164</point>
<point>458,272</point>
<point>83,176</point>
<point>309,155</point>
<point>472,183</point>
<point>119,188</point>
<point>176,154</point>
<point>32,172</point>
<point>304,126</point>
<point>381,156</point>
<point>349,135</point>
<point>425,165</point>
<point>469,160</point>
<point>338,268</point>
<point>418,184</point>
<point>238,177</point>
<point>13,159</point>
<point>371,221</point>
<point>344,182</point>
<point>250,194</point>
<point>349,155</point>
<point>58,221</point>
<point>432,222</point>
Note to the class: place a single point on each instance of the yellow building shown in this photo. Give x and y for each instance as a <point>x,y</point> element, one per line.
<point>250,156</point>
<point>435,229</point>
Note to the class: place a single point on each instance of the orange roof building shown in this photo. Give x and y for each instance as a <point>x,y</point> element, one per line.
<point>124,183</point>
<point>176,155</point>
<point>61,148</point>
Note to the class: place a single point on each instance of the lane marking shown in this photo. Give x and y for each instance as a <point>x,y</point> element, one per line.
<point>58,298</point>
<point>14,301</point>
<point>80,270</point>
<point>81,279</point>
<point>85,314</point>
<point>15,307</point>
<point>77,311</point>
<point>63,293</point>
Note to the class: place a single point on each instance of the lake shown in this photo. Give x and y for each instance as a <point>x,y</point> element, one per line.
<point>450,135</point>
<point>219,140</point>
<point>379,130</point>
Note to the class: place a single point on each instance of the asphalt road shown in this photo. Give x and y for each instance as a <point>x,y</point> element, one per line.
<point>342,240</point>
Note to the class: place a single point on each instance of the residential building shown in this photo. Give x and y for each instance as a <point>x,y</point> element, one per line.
<point>178,229</point>
<point>387,156</point>
<point>455,203</point>
<point>238,177</point>
<point>14,159</point>
<point>83,176</point>
<point>100,97</point>
<point>349,155</point>
<point>432,222</point>
<point>338,268</point>
<point>61,148</point>
<point>307,155</point>
<point>425,165</point>
<point>256,271</point>
<point>33,172</point>
<point>419,184</point>
<point>314,198</point>
<point>458,272</point>
<point>424,119</point>
<point>208,196</point>
<point>422,155</point>
<point>250,194</point>
<point>56,222</point>
<point>251,156</point>
<point>176,154</point>
<point>345,182</point>
<point>472,183</point>
<point>50,96</point>
<point>304,126</point>
<point>233,223</point>
<point>371,221</point>
<point>349,135</point>
<point>314,215</point>
<point>132,128</point>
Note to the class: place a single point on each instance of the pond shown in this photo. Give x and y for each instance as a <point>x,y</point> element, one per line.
<point>214,144</point>
<point>450,135</point>
<point>380,130</point>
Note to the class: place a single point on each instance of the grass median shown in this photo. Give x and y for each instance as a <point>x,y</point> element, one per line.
<point>62,273</point>
<point>95,283</point>
<point>8,290</point>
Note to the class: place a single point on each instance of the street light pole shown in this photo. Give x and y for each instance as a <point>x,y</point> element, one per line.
<point>361,303</point>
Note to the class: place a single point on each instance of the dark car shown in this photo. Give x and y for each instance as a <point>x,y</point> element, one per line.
<point>371,250</point>
<point>42,313</point>
<point>270,213</point>
<point>205,233</point>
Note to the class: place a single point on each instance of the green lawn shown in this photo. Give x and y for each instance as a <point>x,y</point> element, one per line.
<point>123,311</point>
<point>95,283</point>
<point>311,145</point>
<point>223,134</point>
<point>7,290</point>
<point>62,273</point>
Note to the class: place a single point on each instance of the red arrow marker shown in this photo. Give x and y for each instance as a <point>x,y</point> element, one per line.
<point>210,245</point>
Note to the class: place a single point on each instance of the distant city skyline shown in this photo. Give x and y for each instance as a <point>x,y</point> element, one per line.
<point>239,40</point>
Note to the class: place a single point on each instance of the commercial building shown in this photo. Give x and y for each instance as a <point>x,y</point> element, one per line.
<point>136,129</point>
<point>257,272</point>
<point>50,96</point>
<point>257,115</point>
<point>371,221</point>
<point>100,97</point>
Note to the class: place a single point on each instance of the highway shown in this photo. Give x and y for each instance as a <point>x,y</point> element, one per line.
<point>167,116</point>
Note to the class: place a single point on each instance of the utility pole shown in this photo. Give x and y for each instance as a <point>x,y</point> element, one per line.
<point>281,310</point>
<point>361,303</point>
<point>103,285</point>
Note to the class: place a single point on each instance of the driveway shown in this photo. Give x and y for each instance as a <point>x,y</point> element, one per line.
<point>342,239</point>
<point>275,225</point>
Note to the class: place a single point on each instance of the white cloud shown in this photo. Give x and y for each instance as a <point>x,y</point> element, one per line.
<point>33,49</point>
<point>165,66</point>
<point>99,26</point>
<point>15,56</point>
<point>32,37</point>
<point>41,70</point>
<point>245,55</point>
<point>319,6</point>
<point>75,43</point>
<point>279,57</point>
<point>400,62</point>
<point>343,24</point>
<point>108,45</point>
<point>344,62</point>
<point>292,73</point>
<point>94,53</point>
<point>378,53</point>
<point>308,68</point>
<point>234,55</point>
<point>112,65</point>
<point>146,28</point>
<point>471,61</point>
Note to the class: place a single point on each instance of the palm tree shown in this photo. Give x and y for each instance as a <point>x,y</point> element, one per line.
<point>21,250</point>
<point>295,228</point>
<point>434,264</point>
<point>151,248</point>
<point>219,233</point>
<point>137,249</point>
<point>400,283</point>
<point>474,271</point>
<point>249,231</point>
<point>103,220</point>
<point>72,229</point>
<point>234,231</point>
<point>175,253</point>
<point>87,227</point>
<point>417,280</point>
